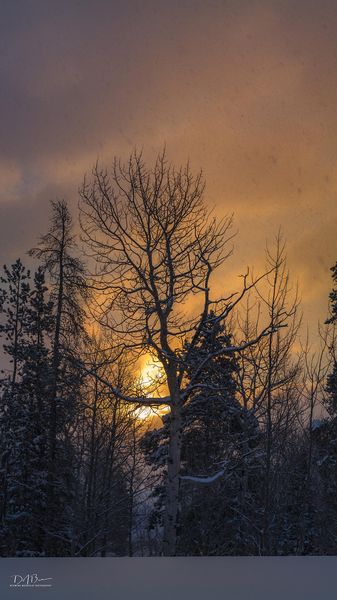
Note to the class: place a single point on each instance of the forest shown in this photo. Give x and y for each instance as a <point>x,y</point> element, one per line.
<point>146,407</point>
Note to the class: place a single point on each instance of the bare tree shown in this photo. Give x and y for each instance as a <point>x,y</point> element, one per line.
<point>269,370</point>
<point>156,246</point>
<point>317,364</point>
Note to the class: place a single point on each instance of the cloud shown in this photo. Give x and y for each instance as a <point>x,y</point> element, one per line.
<point>246,90</point>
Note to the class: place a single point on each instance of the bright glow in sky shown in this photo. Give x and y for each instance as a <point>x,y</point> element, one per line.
<point>150,373</point>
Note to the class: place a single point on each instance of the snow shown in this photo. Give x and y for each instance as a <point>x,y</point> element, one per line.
<point>201,479</point>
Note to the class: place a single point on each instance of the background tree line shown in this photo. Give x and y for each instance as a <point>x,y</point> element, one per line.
<point>239,454</point>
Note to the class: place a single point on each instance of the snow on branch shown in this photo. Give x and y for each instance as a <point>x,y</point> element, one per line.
<point>201,479</point>
<point>206,479</point>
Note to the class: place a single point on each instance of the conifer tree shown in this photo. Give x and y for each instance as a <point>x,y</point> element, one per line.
<point>57,253</point>
<point>24,414</point>
<point>14,295</point>
<point>219,442</point>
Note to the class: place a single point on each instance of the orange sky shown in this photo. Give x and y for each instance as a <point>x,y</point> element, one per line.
<point>245,89</point>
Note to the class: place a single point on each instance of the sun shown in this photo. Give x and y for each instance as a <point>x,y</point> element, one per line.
<point>151,381</point>
<point>151,373</point>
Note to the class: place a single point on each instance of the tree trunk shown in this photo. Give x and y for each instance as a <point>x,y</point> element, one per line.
<point>173,470</point>
<point>52,433</point>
